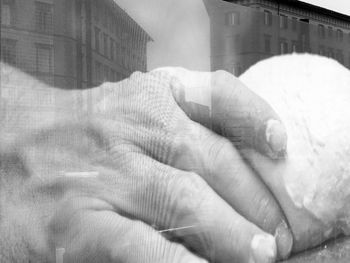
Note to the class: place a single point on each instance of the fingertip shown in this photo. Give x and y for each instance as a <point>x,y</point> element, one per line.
<point>276,135</point>
<point>273,139</point>
<point>284,240</point>
<point>264,249</point>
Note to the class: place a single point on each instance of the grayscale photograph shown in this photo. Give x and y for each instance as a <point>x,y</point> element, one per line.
<point>175,131</point>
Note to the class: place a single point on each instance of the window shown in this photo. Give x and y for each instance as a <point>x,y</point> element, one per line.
<point>105,44</point>
<point>44,58</point>
<point>283,47</point>
<point>321,31</point>
<point>7,12</point>
<point>294,23</point>
<point>104,15</point>
<point>111,75</point>
<point>43,17</point>
<point>123,56</point>
<point>8,51</point>
<point>283,22</point>
<point>349,37</point>
<point>330,32</point>
<point>330,53</point>
<point>232,18</point>
<point>294,46</point>
<point>111,48</point>
<point>267,43</point>
<point>321,50</point>
<point>106,72</point>
<point>304,43</point>
<point>98,69</point>
<point>97,39</point>
<point>267,18</point>
<point>96,10</point>
<point>117,50</point>
<point>340,56</point>
<point>339,35</point>
<point>234,70</point>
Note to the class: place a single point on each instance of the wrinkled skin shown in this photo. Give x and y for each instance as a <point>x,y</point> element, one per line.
<point>100,186</point>
<point>108,183</point>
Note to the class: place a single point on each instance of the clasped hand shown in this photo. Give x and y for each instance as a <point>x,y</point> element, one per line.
<point>137,178</point>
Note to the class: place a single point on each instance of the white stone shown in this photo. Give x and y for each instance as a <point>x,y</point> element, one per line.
<point>311,94</point>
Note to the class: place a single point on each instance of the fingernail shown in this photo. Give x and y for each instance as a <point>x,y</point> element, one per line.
<point>263,249</point>
<point>276,136</point>
<point>284,240</point>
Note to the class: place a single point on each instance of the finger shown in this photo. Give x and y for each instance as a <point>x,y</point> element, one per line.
<point>86,230</point>
<point>213,157</point>
<point>182,204</point>
<point>308,230</point>
<point>236,112</point>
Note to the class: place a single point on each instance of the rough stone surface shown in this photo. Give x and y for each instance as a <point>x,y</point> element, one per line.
<point>311,94</point>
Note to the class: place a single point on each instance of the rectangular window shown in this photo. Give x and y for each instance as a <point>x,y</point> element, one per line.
<point>340,56</point>
<point>7,12</point>
<point>105,44</point>
<point>283,47</point>
<point>283,21</point>
<point>330,53</point>
<point>104,15</point>
<point>321,50</point>
<point>294,46</point>
<point>294,23</point>
<point>232,18</point>
<point>95,9</point>
<point>98,72</point>
<point>111,49</point>
<point>321,31</point>
<point>123,56</point>
<point>117,50</point>
<point>339,35</point>
<point>330,32</point>
<point>111,75</point>
<point>44,58</point>
<point>97,39</point>
<point>8,51</point>
<point>267,43</point>
<point>43,17</point>
<point>267,18</point>
<point>106,72</point>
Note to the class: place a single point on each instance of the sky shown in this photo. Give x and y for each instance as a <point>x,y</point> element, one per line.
<point>180,29</point>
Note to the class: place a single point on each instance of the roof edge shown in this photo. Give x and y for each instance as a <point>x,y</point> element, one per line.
<point>308,6</point>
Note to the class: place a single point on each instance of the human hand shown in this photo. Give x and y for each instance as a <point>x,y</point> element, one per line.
<point>105,187</point>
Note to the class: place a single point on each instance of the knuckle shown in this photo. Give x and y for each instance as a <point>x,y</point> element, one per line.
<point>191,192</point>
<point>186,144</point>
<point>221,74</point>
<point>223,77</point>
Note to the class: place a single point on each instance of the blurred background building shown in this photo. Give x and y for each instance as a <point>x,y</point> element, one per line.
<point>246,31</point>
<point>72,43</point>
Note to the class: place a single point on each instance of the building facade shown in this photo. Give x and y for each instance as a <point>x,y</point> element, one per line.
<point>72,43</point>
<point>244,32</point>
